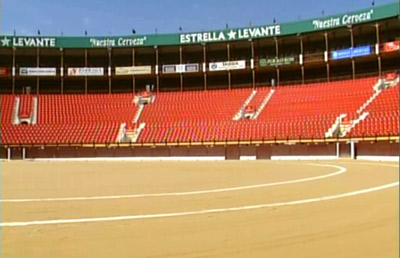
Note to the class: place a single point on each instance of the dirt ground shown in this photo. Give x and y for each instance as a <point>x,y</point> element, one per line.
<point>359,226</point>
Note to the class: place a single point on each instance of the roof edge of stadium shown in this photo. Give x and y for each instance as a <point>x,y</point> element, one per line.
<point>365,15</point>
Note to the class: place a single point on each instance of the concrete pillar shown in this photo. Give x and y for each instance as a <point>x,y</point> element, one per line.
<point>352,150</point>
<point>337,149</point>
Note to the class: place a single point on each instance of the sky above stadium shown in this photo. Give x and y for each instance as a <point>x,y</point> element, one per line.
<point>119,17</point>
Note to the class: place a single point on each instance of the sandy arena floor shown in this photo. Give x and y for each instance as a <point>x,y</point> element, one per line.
<point>200,209</point>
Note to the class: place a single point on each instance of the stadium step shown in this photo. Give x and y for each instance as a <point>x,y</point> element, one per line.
<point>252,107</point>
<point>121,133</point>
<point>132,135</point>
<point>136,133</point>
<point>138,113</point>
<point>25,109</point>
<point>343,125</point>
<point>334,128</point>
<point>35,110</point>
<point>240,112</point>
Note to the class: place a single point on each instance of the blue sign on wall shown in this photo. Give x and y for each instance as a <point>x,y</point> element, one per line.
<point>351,52</point>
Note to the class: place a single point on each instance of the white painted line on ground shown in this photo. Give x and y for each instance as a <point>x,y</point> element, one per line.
<point>248,158</point>
<point>373,162</point>
<point>201,212</point>
<point>340,171</point>
<point>194,158</point>
<point>303,157</point>
<point>379,158</point>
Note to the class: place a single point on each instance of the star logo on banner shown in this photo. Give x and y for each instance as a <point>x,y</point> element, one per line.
<point>232,35</point>
<point>5,42</point>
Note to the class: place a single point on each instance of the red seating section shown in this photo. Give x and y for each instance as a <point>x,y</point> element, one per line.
<point>298,111</point>
<point>66,109</point>
<point>383,118</point>
<point>305,111</point>
<point>105,132</point>
<point>7,106</point>
<point>195,106</point>
<point>309,111</point>
<point>191,116</point>
<point>70,119</point>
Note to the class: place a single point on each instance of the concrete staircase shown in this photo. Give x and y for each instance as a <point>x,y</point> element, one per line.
<point>15,118</point>
<point>138,113</point>
<point>35,111</point>
<point>121,132</point>
<point>241,113</point>
<point>341,128</point>
<point>334,128</point>
<point>32,119</point>
<point>133,134</point>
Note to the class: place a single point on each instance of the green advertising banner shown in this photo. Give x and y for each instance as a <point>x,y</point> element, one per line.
<point>276,61</point>
<point>306,26</point>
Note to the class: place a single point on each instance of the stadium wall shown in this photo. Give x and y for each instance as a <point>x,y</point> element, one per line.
<point>328,150</point>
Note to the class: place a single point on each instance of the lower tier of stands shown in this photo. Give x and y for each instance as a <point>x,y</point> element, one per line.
<point>105,132</point>
<point>291,112</point>
<point>232,130</point>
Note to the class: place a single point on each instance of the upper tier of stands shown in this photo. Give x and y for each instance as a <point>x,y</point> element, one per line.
<point>297,111</point>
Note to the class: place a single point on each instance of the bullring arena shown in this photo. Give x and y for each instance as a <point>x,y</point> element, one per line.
<point>278,140</point>
<point>336,208</point>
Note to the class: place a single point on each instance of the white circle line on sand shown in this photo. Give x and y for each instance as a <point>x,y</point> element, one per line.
<point>373,163</point>
<point>200,212</point>
<point>340,171</point>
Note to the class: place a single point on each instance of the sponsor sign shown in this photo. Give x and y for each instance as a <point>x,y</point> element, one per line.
<point>86,71</point>
<point>133,70</point>
<point>391,46</point>
<point>181,68</point>
<point>276,61</point>
<point>225,66</point>
<point>343,20</point>
<point>191,68</point>
<point>169,68</point>
<point>233,34</point>
<point>118,42</point>
<point>28,42</point>
<point>351,52</point>
<point>37,71</point>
